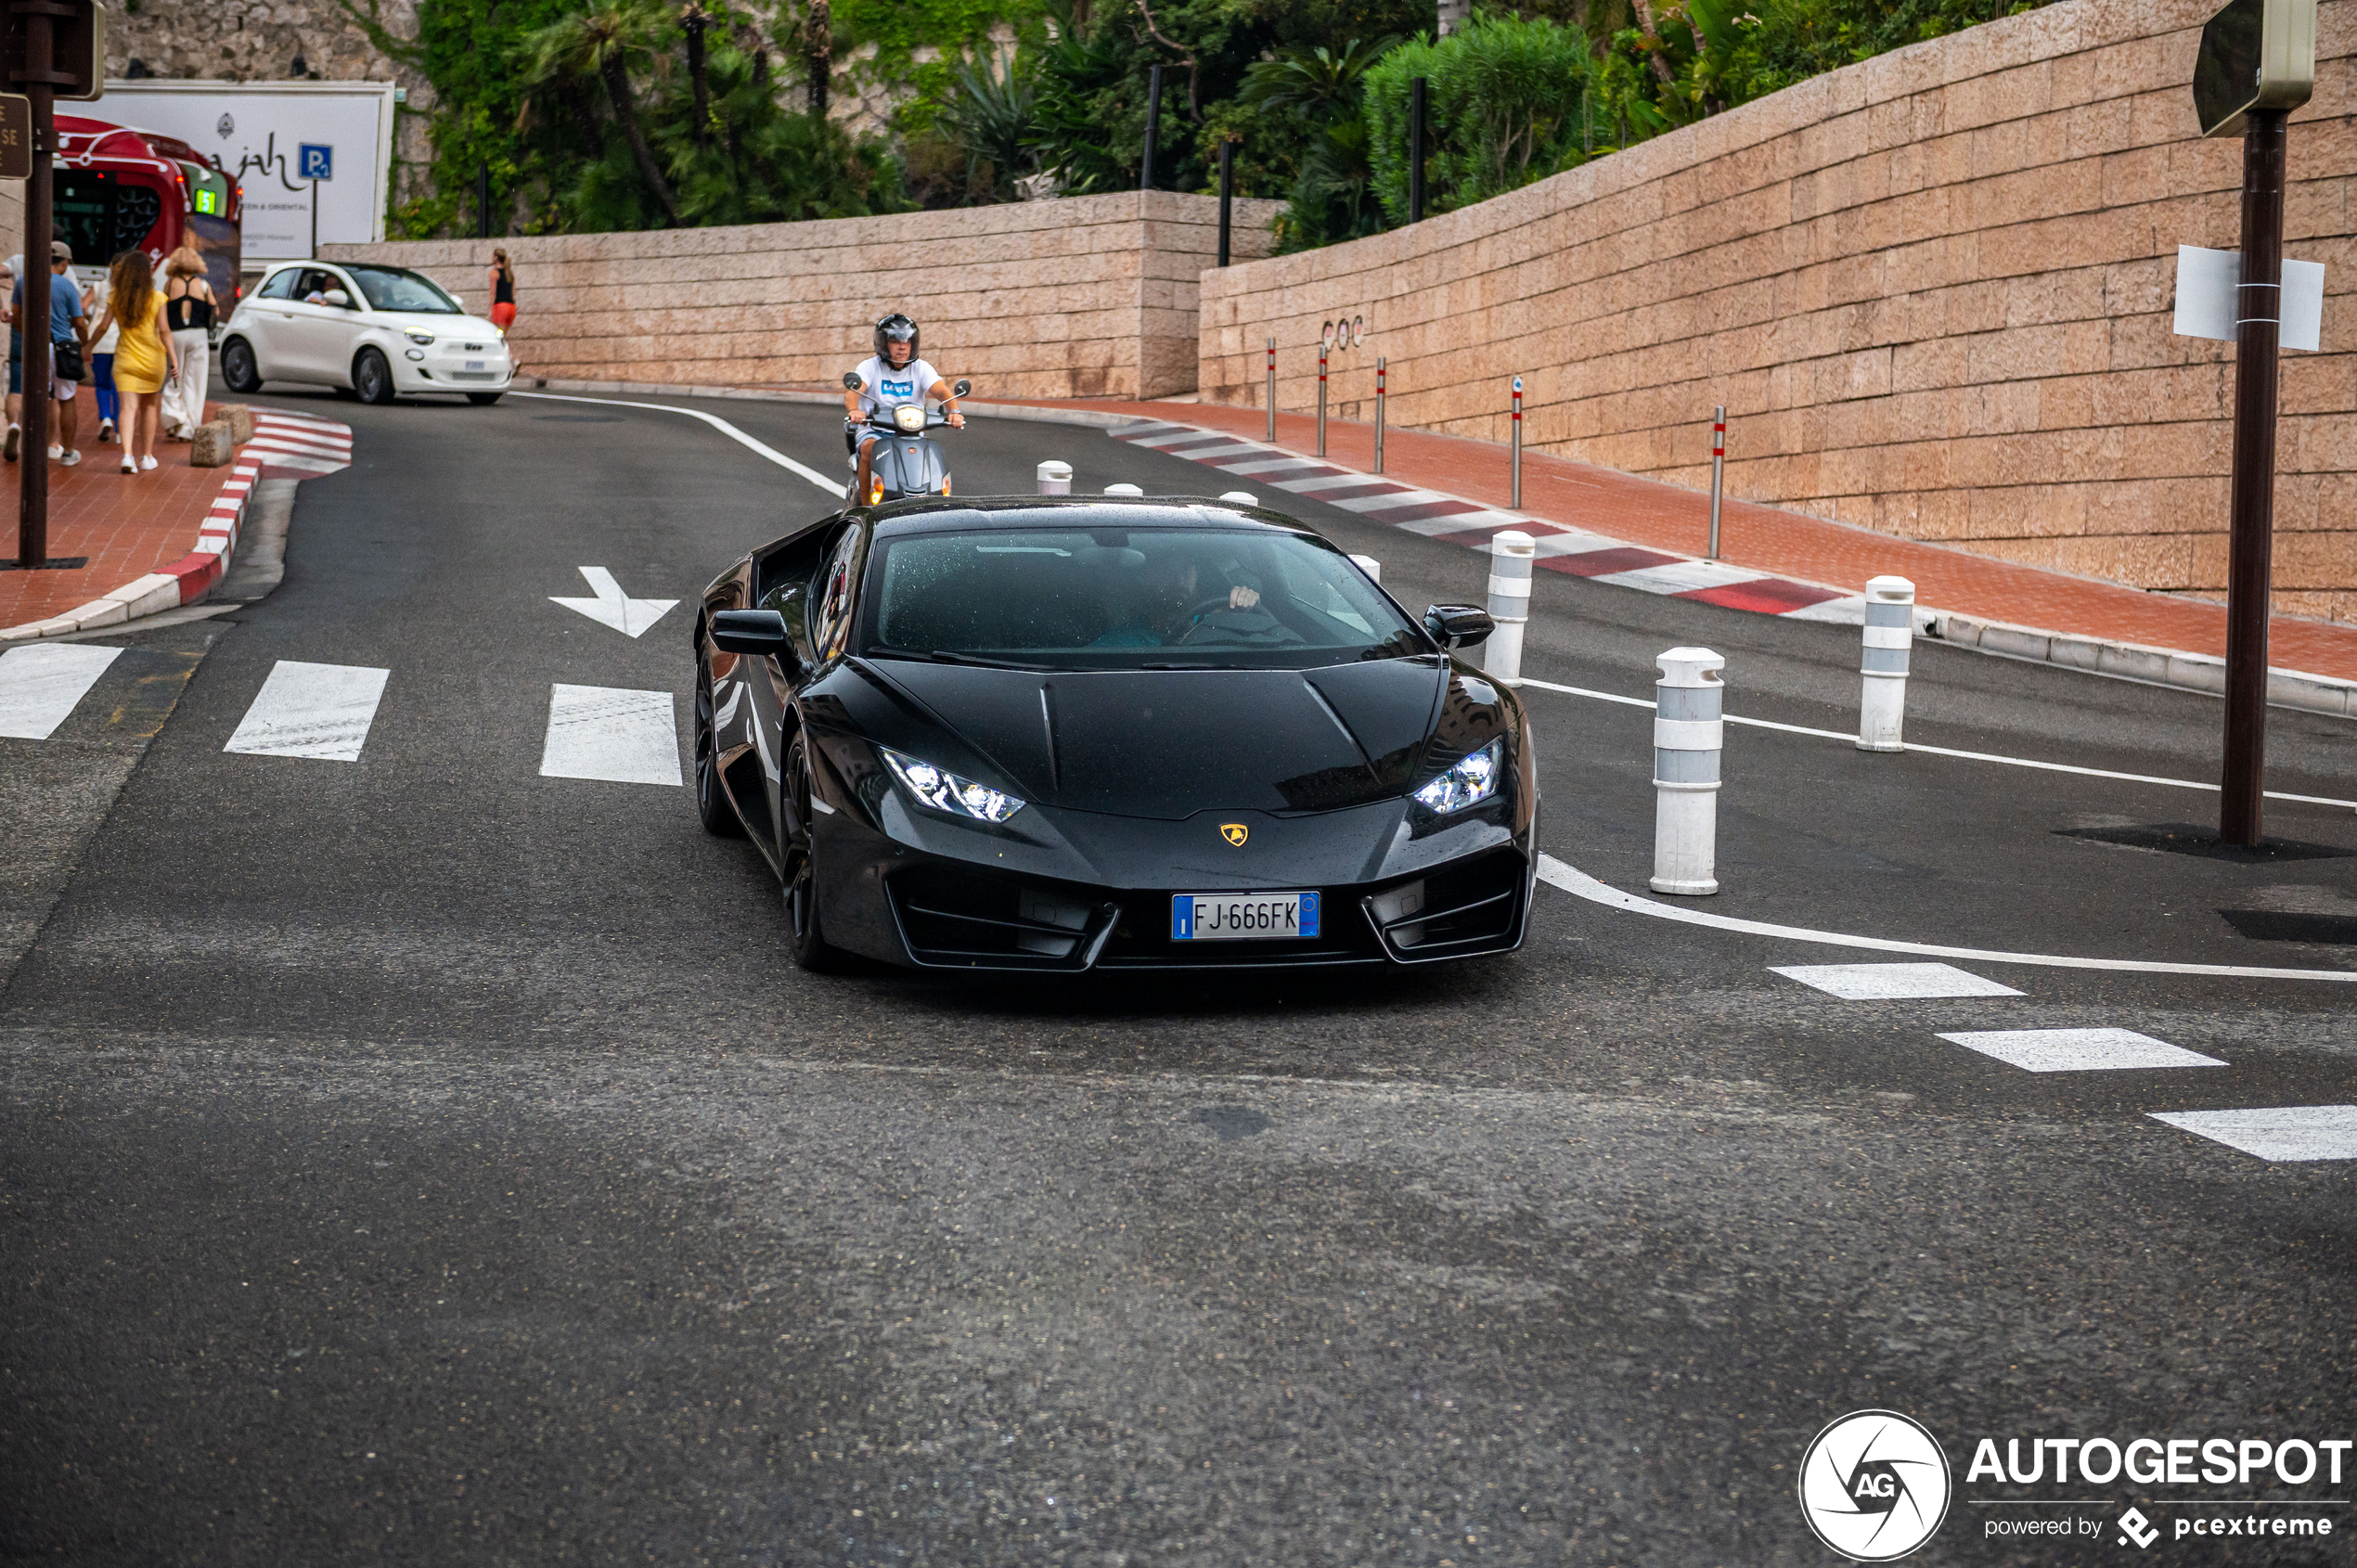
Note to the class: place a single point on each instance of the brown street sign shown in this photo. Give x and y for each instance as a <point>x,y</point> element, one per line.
<point>77,64</point>
<point>16,136</point>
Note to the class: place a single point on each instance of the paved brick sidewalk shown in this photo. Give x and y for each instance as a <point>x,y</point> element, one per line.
<point>1767,539</point>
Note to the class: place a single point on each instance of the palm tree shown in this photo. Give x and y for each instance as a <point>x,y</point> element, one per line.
<point>603,42</point>
<point>694,16</point>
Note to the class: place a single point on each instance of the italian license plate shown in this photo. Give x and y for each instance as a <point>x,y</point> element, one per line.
<point>474,364</point>
<point>1243,917</point>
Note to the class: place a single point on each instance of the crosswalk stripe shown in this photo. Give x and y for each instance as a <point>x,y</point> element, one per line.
<point>321,711</point>
<point>2079,1050</point>
<point>1886,983</point>
<point>40,685</point>
<point>610,732</point>
<point>2279,1133</point>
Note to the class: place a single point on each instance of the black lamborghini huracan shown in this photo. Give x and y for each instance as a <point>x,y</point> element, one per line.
<point>1064,734</point>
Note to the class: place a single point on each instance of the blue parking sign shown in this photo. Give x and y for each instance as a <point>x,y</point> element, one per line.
<point>314,162</point>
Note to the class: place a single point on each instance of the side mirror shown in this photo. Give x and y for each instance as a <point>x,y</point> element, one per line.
<point>851,381</point>
<point>757,631</point>
<point>338,298</point>
<point>962,388</point>
<point>1454,626</point>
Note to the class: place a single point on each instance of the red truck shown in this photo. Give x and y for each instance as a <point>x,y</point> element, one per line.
<point>118,189</point>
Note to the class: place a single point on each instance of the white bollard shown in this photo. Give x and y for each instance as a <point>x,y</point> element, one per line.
<point>1371,566</point>
<point>1240,498</point>
<point>1890,633</point>
<point>1688,733</point>
<point>1510,556</point>
<point>1122,490</point>
<point>1055,479</point>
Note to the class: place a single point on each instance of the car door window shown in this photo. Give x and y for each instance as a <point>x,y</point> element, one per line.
<point>834,594</point>
<point>281,284</point>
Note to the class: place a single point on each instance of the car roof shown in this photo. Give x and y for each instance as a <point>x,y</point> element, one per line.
<point>933,515</point>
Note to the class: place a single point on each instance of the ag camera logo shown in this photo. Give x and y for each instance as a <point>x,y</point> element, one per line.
<point>1875,1485</point>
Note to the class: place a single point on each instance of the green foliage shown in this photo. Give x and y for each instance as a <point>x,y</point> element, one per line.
<point>953,31</point>
<point>1508,101</point>
<point>991,120</point>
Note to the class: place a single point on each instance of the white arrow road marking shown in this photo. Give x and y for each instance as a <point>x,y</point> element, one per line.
<point>835,488</point>
<point>321,711</point>
<point>604,732</point>
<point>40,685</point>
<point>613,606</point>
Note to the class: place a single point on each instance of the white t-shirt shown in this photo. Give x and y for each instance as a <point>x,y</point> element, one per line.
<point>884,387</point>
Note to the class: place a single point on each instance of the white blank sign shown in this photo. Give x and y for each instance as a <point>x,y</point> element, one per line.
<point>2207,284</point>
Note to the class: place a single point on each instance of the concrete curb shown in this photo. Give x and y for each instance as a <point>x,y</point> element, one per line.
<point>2128,661</point>
<point>183,581</point>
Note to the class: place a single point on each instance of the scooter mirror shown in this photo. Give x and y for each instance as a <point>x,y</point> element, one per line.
<point>851,381</point>
<point>962,388</point>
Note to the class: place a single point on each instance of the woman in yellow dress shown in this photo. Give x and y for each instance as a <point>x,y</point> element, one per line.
<point>144,354</point>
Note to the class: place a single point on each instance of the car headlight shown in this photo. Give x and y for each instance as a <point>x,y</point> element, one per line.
<point>943,790</point>
<point>909,418</point>
<point>1471,781</point>
<point>420,339</point>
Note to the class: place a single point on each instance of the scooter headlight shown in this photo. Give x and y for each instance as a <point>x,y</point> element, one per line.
<point>909,418</point>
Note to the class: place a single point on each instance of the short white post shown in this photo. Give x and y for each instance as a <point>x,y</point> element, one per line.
<point>1055,479</point>
<point>1380,373</point>
<point>1510,556</point>
<point>1272,389</point>
<point>1371,566</point>
<point>1890,633</point>
<point>1240,498</point>
<point>1688,734</point>
<point>1717,470</point>
<point>1514,482</point>
<point>1122,490</point>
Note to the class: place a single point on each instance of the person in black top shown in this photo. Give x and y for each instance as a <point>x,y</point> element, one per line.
<point>503,291</point>
<point>187,315</point>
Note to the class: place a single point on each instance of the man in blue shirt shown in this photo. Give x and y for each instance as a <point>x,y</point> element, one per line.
<point>68,325</point>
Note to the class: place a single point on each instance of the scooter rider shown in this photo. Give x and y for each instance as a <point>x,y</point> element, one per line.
<point>896,376</point>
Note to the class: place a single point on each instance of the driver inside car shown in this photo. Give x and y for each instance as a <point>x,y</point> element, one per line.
<point>1173,606</point>
<point>893,377</point>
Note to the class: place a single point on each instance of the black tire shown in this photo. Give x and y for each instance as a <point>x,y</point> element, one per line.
<point>805,936</point>
<point>484,400</point>
<point>372,378</point>
<point>238,371</point>
<point>719,817</point>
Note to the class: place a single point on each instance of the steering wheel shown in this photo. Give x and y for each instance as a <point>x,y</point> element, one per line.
<point>1217,606</point>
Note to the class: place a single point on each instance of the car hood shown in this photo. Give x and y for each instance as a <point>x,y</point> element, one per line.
<point>1168,743</point>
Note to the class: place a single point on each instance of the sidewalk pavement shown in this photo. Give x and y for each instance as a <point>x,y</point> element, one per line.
<point>1997,605</point>
<point>152,541</point>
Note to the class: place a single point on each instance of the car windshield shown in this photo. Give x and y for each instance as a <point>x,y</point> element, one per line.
<point>399,289</point>
<point>1122,598</point>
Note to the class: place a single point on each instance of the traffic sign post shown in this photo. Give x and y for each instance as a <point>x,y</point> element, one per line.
<point>2257,64</point>
<point>314,163</point>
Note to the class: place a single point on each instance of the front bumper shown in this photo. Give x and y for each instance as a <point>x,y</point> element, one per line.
<point>455,366</point>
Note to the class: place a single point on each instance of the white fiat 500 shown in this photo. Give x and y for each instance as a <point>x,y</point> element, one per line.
<point>378,330</point>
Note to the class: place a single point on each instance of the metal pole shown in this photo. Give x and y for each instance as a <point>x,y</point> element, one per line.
<point>482,203</point>
<point>1322,397</point>
<point>1272,389</point>
<point>1153,125</point>
<point>314,220</point>
<point>1379,397</point>
<point>1515,498</point>
<point>1416,150</point>
<point>2250,545</point>
<point>32,504</point>
<point>1717,470</point>
<point>1227,195</point>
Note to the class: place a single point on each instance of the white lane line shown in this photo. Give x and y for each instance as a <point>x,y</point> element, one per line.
<point>2276,1133</point>
<point>321,711</point>
<point>1573,880</point>
<point>835,488</point>
<point>1947,751</point>
<point>1890,982</point>
<point>605,732</point>
<point>40,685</point>
<point>2078,1050</point>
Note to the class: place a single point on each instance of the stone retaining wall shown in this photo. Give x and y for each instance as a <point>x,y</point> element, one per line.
<point>1088,296</point>
<point>1933,291</point>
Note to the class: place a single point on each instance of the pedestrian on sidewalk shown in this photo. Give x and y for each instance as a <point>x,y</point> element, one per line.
<point>94,305</point>
<point>187,315</point>
<point>503,291</point>
<point>145,353</point>
<point>69,344</point>
<point>16,366</point>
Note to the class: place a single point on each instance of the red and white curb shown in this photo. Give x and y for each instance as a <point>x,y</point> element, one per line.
<point>1577,553</point>
<point>285,446</point>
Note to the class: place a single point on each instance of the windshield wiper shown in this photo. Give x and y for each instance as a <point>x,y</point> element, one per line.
<point>1165,665</point>
<point>945,656</point>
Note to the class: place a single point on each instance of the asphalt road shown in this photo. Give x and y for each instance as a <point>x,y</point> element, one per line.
<point>417,1159</point>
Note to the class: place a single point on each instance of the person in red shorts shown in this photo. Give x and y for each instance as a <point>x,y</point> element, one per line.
<point>503,291</point>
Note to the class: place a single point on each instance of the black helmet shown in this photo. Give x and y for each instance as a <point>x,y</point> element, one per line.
<point>896,329</point>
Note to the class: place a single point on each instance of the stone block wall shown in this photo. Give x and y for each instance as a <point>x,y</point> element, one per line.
<point>1088,296</point>
<point>1934,290</point>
